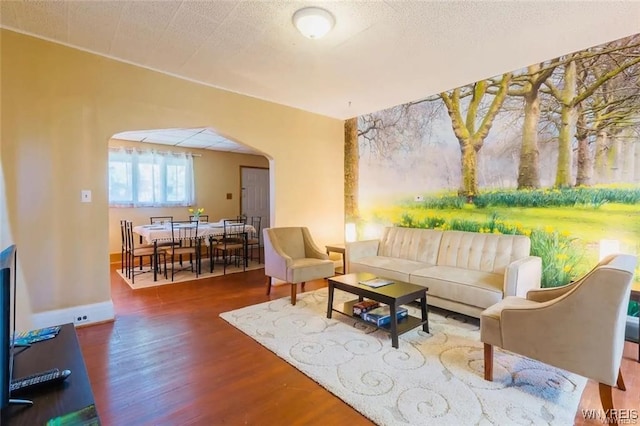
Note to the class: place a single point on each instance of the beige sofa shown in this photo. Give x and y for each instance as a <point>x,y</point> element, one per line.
<point>465,272</point>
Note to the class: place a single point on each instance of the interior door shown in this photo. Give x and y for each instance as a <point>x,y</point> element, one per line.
<point>255,193</point>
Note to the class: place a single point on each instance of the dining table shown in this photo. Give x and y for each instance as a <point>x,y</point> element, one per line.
<point>159,233</point>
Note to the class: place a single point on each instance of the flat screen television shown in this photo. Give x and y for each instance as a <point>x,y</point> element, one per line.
<point>8,262</point>
<point>7,321</point>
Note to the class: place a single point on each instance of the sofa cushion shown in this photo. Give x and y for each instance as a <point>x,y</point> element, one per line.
<point>475,288</point>
<point>482,252</point>
<point>386,267</point>
<point>420,245</point>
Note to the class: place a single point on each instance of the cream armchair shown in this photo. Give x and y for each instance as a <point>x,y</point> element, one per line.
<point>579,327</point>
<point>290,255</point>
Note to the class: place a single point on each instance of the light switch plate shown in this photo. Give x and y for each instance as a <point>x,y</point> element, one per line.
<point>85,196</point>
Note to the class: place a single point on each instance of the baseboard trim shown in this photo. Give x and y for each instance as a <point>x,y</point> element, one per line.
<point>94,313</point>
<point>115,258</point>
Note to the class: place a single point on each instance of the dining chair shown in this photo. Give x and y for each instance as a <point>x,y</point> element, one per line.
<point>124,249</point>
<point>184,241</point>
<point>253,237</point>
<point>160,220</point>
<point>201,218</point>
<point>233,244</point>
<point>140,252</point>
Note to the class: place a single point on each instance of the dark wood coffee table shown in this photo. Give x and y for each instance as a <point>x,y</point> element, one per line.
<point>393,295</point>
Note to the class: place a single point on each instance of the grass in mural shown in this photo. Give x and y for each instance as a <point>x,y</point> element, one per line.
<point>593,197</point>
<point>588,226</point>
<point>565,230</point>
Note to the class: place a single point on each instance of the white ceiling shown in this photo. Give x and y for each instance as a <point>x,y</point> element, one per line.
<point>379,54</point>
<point>186,138</point>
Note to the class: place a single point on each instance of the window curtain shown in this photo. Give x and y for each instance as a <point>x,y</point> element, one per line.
<point>149,178</point>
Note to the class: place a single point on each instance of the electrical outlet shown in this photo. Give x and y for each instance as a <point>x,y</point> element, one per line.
<point>85,196</point>
<point>80,319</point>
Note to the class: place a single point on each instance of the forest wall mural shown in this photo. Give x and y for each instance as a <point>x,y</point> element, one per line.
<point>551,151</point>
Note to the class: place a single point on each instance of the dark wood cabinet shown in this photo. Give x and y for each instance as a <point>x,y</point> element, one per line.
<point>62,352</point>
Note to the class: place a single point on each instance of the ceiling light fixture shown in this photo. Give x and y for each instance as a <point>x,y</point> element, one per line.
<point>313,22</point>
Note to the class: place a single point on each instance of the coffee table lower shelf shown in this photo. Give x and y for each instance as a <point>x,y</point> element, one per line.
<point>405,324</point>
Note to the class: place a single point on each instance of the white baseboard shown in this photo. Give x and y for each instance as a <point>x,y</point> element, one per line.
<point>78,315</point>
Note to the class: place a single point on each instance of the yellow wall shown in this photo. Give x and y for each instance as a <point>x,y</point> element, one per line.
<point>60,106</point>
<point>215,174</point>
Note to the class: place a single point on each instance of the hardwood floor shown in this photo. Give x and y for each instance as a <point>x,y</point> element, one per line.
<point>169,359</point>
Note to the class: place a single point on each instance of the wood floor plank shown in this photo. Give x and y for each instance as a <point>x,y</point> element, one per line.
<point>169,359</point>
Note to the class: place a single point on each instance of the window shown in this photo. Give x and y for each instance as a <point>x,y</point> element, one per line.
<point>150,178</point>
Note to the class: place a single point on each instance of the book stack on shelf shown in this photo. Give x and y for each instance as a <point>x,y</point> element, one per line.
<point>364,306</point>
<point>382,315</point>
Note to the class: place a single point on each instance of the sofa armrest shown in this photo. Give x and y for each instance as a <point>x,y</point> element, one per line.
<point>522,275</point>
<point>359,249</point>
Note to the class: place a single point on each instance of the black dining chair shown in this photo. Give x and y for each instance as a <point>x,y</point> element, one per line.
<point>201,218</point>
<point>254,239</point>
<point>232,245</point>
<point>184,241</point>
<point>124,249</point>
<point>160,220</point>
<point>140,252</point>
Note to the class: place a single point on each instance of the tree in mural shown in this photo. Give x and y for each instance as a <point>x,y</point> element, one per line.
<point>528,86</point>
<point>635,168</point>
<point>351,158</point>
<point>382,135</point>
<point>472,129</point>
<point>570,92</point>
<point>602,119</point>
<point>386,132</point>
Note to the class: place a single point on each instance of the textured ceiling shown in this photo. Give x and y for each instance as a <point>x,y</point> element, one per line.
<point>186,138</point>
<point>379,54</point>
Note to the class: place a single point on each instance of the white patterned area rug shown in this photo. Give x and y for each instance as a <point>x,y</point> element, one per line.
<point>432,378</point>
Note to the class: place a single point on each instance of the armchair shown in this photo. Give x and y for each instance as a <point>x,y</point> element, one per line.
<point>578,327</point>
<point>291,255</point>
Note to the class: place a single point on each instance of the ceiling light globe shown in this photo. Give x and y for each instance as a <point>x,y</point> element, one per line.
<point>313,22</point>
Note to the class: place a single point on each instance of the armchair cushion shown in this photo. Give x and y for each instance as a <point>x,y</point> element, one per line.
<point>307,269</point>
